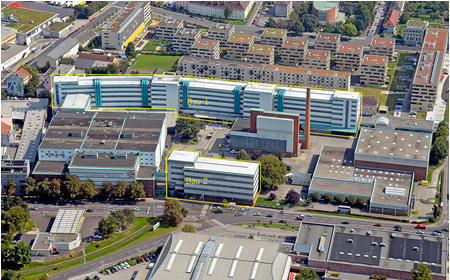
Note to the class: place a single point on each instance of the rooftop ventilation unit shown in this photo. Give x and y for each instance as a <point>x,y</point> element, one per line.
<point>394,191</point>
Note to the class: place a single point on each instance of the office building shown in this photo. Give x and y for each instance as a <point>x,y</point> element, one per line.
<point>191,176</point>
<point>387,190</point>
<point>326,11</point>
<point>16,169</point>
<point>349,57</point>
<point>274,37</point>
<point>394,150</point>
<point>314,59</point>
<point>217,8</point>
<point>414,32</point>
<point>327,42</point>
<point>390,22</point>
<point>283,8</point>
<point>206,48</point>
<point>292,51</point>
<point>263,73</point>
<point>260,54</point>
<point>221,32</point>
<point>9,35</point>
<point>167,27</point>
<point>197,256</point>
<point>12,54</point>
<point>428,72</point>
<point>104,146</point>
<point>238,45</point>
<point>67,47</point>
<point>126,26</point>
<point>183,39</point>
<point>383,47</point>
<point>373,70</point>
<point>367,251</point>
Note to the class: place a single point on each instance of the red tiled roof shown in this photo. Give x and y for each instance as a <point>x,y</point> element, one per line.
<point>22,73</point>
<point>350,48</point>
<point>5,128</point>
<point>374,59</point>
<point>297,43</point>
<point>392,18</point>
<point>376,41</point>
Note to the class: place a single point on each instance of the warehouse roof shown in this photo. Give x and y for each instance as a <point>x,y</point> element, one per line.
<point>60,48</point>
<point>104,160</point>
<point>400,144</point>
<point>196,256</point>
<point>398,123</point>
<point>27,19</point>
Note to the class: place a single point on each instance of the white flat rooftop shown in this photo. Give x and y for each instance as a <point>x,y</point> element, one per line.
<point>213,165</point>
<point>259,87</point>
<point>184,156</point>
<point>76,100</point>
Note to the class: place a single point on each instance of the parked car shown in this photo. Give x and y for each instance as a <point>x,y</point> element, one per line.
<point>345,222</point>
<point>97,236</point>
<point>269,216</point>
<point>257,214</point>
<point>241,210</point>
<point>142,260</point>
<point>96,277</point>
<point>377,225</point>
<point>33,208</point>
<point>89,210</point>
<point>108,272</point>
<point>136,209</point>
<point>283,221</point>
<point>126,264</point>
<point>238,214</point>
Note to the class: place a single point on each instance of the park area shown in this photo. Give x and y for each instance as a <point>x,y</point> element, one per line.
<point>150,62</point>
<point>384,99</point>
<point>151,45</point>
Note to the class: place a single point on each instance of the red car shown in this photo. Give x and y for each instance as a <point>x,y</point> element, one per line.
<point>142,260</point>
<point>79,28</point>
<point>4,71</point>
<point>82,26</point>
<point>3,83</point>
<point>377,225</point>
<point>299,218</point>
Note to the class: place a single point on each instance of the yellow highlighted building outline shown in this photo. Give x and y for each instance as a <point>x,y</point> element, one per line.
<point>200,201</point>
<point>174,109</point>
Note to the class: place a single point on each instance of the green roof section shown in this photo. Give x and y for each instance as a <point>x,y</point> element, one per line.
<point>325,5</point>
<point>27,19</point>
<point>58,26</point>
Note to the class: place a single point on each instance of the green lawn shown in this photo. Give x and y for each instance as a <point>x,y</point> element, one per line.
<point>267,225</point>
<point>446,113</point>
<point>236,22</point>
<point>421,115</point>
<point>266,201</point>
<point>151,45</point>
<point>31,226</point>
<point>151,62</point>
<point>384,99</point>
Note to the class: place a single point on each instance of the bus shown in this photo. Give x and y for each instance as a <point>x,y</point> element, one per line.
<point>344,209</point>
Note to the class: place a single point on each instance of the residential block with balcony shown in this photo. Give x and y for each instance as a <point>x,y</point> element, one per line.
<point>349,57</point>
<point>238,45</point>
<point>383,47</point>
<point>414,32</point>
<point>274,37</point>
<point>292,51</point>
<point>314,59</point>
<point>221,32</point>
<point>184,39</point>
<point>373,70</point>
<point>260,54</point>
<point>167,27</point>
<point>327,42</point>
<point>206,48</point>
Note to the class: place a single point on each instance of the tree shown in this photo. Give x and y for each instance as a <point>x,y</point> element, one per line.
<point>224,201</point>
<point>12,201</point>
<point>214,17</point>
<point>293,196</point>
<point>422,273</point>
<point>223,154</point>
<point>272,196</point>
<point>108,188</point>
<point>242,155</point>
<point>361,201</point>
<point>439,149</point>
<point>271,23</point>
<point>349,30</point>
<point>71,186</point>
<point>280,155</point>
<point>121,188</point>
<point>281,24</point>
<point>309,22</point>
<point>307,274</point>
<point>188,228</point>
<point>22,255</point>
<point>298,27</point>
<point>43,188</point>
<point>352,200</point>
<point>443,123</point>
<point>440,131</point>
<point>11,187</point>
<point>9,275</point>
<point>328,197</point>
<point>124,65</point>
<point>108,226</point>
<point>65,60</point>
<point>228,11</point>
<point>189,128</point>
<point>120,219</point>
<point>404,17</point>
<point>89,189</point>
<point>273,171</point>
<point>340,199</point>
<point>45,94</point>
<point>174,212</point>
<point>16,216</point>
<point>135,190</point>
<point>350,10</point>
<point>129,216</point>
<point>316,196</point>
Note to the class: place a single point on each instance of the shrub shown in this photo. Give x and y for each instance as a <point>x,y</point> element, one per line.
<point>316,196</point>
<point>340,199</point>
<point>432,219</point>
<point>352,200</point>
<point>188,228</point>
<point>328,197</point>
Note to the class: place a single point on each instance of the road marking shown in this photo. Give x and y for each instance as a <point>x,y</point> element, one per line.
<point>83,276</point>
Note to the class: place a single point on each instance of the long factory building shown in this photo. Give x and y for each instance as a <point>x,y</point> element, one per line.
<point>332,111</point>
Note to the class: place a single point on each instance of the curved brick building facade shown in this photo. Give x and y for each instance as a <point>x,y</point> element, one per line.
<point>326,11</point>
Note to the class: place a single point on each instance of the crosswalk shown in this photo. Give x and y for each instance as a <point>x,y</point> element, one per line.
<point>90,274</point>
<point>190,218</point>
<point>215,223</point>
<point>205,208</point>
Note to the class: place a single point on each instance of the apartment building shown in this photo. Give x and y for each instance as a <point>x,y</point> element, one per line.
<point>253,72</point>
<point>260,54</point>
<point>210,8</point>
<point>382,47</point>
<point>292,51</point>
<point>274,37</point>
<point>283,8</point>
<point>327,42</point>
<point>206,48</point>
<point>373,70</point>
<point>126,26</point>
<point>183,39</point>
<point>349,57</point>
<point>238,45</point>
<point>314,59</point>
<point>167,27</point>
<point>221,32</point>
<point>429,68</point>
<point>414,32</point>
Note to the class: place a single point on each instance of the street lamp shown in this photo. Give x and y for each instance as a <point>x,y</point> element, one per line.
<point>51,273</point>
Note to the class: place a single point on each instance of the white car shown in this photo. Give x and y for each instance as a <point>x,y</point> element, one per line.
<point>126,264</point>
<point>136,209</point>
<point>234,152</point>
<point>308,215</point>
<point>123,266</point>
<point>98,236</point>
<point>420,232</point>
<point>257,214</point>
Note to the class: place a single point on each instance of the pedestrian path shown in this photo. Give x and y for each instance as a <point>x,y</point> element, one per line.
<point>215,223</point>
<point>205,208</point>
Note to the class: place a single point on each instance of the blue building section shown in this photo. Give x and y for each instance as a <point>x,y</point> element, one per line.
<point>98,92</point>
<point>144,84</point>
<point>280,100</point>
<point>237,99</point>
<point>185,92</point>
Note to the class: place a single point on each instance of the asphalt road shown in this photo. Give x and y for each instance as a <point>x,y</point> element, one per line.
<point>42,6</point>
